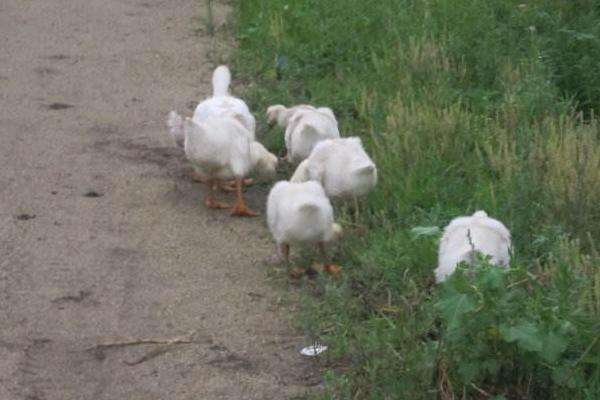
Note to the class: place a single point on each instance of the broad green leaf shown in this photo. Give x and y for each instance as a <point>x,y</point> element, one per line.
<point>565,376</point>
<point>526,334</point>
<point>453,308</point>
<point>553,346</point>
<point>491,365</point>
<point>468,371</point>
<point>494,277</point>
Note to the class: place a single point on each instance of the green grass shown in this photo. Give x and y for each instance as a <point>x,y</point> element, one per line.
<point>464,105</point>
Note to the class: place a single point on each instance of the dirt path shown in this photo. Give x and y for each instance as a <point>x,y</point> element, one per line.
<point>101,232</point>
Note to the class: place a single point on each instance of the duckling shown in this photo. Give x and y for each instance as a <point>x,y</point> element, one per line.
<point>300,213</point>
<point>466,235</point>
<point>343,168</point>
<point>221,148</point>
<point>304,126</point>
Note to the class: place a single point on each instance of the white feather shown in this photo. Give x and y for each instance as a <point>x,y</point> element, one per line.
<point>222,102</point>
<point>220,81</point>
<point>175,125</point>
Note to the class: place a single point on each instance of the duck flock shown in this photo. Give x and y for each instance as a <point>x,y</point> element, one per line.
<point>220,143</point>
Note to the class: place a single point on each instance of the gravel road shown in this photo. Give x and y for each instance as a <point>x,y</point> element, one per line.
<point>103,237</point>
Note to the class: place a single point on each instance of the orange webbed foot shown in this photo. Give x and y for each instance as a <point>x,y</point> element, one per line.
<point>230,186</point>
<point>227,186</point>
<point>240,209</point>
<point>210,202</point>
<point>196,177</point>
<point>243,211</point>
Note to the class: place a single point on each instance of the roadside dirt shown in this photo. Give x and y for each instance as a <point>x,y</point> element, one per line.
<point>103,237</point>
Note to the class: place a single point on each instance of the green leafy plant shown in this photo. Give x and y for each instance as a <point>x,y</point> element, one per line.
<point>507,332</point>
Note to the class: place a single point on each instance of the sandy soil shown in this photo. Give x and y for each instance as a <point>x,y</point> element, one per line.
<point>102,234</point>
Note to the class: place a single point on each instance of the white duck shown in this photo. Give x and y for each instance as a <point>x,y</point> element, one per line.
<point>342,166</point>
<point>466,235</point>
<point>220,103</point>
<point>304,126</point>
<point>300,213</point>
<point>221,148</point>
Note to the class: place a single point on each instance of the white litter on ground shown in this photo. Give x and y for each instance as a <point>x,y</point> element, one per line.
<point>313,350</point>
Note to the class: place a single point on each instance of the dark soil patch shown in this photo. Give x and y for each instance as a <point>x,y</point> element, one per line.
<point>25,217</point>
<point>59,106</point>
<point>92,194</point>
